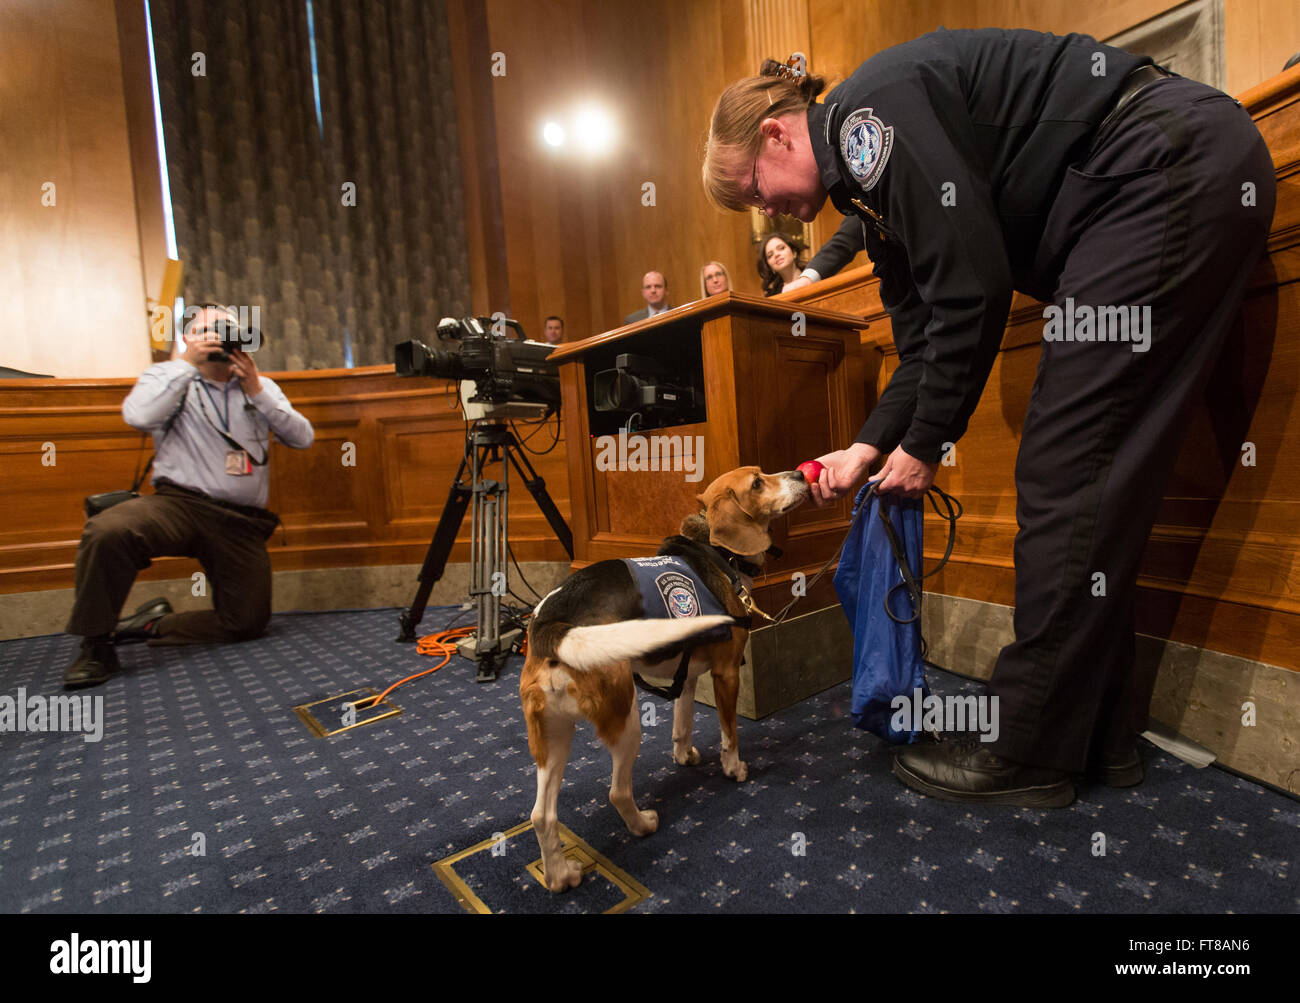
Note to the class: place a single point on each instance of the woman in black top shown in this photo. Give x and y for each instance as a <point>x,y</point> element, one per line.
<point>1135,203</point>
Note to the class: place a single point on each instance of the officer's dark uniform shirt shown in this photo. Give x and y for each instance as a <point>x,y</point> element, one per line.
<point>989,121</point>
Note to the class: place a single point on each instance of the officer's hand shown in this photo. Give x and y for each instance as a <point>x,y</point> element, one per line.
<point>199,345</point>
<point>798,283</point>
<point>903,474</point>
<point>842,471</point>
<point>243,366</point>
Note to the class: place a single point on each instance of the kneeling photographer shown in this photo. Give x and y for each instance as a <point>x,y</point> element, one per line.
<point>212,416</point>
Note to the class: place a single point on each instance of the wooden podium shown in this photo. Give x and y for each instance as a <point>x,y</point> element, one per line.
<point>780,383</point>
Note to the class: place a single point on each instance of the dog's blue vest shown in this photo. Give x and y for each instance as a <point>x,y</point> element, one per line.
<point>671,590</point>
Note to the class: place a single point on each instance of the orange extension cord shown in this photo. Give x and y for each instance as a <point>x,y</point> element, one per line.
<point>442,644</point>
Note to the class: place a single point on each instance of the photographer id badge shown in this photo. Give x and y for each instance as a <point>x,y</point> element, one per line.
<point>237,463</point>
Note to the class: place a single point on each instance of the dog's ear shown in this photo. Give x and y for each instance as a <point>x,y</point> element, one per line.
<point>730,527</point>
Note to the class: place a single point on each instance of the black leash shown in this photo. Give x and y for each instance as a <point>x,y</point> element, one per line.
<point>911,581</point>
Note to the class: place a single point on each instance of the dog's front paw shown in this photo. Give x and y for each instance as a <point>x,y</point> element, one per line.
<point>568,875</point>
<point>738,773</point>
<point>691,758</point>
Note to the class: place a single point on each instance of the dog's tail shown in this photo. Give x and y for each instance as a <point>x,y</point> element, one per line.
<point>604,644</point>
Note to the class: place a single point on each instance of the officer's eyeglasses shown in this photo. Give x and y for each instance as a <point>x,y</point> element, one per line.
<point>755,196</point>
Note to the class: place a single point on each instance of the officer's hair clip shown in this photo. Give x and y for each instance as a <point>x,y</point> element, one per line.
<point>795,67</point>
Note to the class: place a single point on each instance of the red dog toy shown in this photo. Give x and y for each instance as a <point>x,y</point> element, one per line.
<point>811,471</point>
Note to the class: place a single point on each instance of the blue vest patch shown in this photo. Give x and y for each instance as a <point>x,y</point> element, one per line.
<point>670,589</point>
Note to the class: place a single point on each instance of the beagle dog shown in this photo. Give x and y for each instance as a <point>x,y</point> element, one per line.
<point>589,637</point>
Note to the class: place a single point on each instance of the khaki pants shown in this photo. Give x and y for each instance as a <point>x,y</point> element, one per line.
<point>230,545</point>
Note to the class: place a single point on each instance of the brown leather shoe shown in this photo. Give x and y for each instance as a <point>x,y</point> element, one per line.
<point>95,664</point>
<point>966,771</point>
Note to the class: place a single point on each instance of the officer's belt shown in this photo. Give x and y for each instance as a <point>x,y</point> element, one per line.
<point>1136,81</point>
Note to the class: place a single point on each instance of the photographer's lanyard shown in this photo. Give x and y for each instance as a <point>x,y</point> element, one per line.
<point>230,441</point>
<point>225,395</point>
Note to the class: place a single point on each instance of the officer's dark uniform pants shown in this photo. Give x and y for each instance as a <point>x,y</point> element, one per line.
<point>1171,208</point>
<point>230,545</point>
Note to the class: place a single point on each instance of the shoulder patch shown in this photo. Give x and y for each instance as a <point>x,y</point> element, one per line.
<point>865,144</point>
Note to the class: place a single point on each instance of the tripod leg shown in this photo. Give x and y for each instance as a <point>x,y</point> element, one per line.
<point>537,488</point>
<point>435,559</point>
<point>489,537</point>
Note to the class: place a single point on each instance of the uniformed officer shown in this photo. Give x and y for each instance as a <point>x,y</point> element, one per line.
<point>1136,203</point>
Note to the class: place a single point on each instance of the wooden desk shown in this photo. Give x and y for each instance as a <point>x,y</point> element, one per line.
<point>774,398</point>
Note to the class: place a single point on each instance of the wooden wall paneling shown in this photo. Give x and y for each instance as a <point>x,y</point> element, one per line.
<point>409,450</point>
<point>382,511</point>
<point>137,89</point>
<point>70,270</point>
<point>728,234</point>
<point>585,516</point>
<point>753,401</point>
<point>726,426</point>
<point>316,494</point>
<point>1261,36</point>
<point>646,506</point>
<point>1241,28</point>
<point>564,213</point>
<point>471,55</point>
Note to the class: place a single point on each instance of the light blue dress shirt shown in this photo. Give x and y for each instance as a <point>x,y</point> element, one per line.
<point>192,453</point>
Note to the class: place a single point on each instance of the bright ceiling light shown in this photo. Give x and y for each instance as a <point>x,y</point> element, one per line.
<point>595,130</point>
<point>553,134</point>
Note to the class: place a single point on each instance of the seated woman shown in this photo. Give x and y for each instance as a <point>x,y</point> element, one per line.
<point>780,260</point>
<point>714,279</point>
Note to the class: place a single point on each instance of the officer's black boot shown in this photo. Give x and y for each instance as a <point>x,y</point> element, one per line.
<point>963,769</point>
<point>95,664</point>
<point>1117,769</point>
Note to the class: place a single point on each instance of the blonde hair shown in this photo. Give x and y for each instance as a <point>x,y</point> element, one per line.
<point>734,138</point>
<point>704,292</point>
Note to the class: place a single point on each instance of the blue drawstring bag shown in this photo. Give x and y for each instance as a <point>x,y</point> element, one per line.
<point>883,606</point>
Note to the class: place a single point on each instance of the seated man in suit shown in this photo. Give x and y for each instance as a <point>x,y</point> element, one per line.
<point>212,419</point>
<point>654,289</point>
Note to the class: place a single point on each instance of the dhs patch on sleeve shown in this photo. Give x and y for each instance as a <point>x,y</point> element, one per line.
<point>865,144</point>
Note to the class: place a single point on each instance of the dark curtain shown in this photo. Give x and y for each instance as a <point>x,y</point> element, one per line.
<point>390,127</point>
<point>258,194</point>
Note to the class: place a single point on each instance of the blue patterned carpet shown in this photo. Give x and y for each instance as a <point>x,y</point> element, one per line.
<point>204,742</point>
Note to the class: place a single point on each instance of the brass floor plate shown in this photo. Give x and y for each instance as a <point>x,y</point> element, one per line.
<point>574,849</point>
<point>325,717</point>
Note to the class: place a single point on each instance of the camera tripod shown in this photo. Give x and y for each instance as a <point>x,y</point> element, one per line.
<point>489,440</point>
